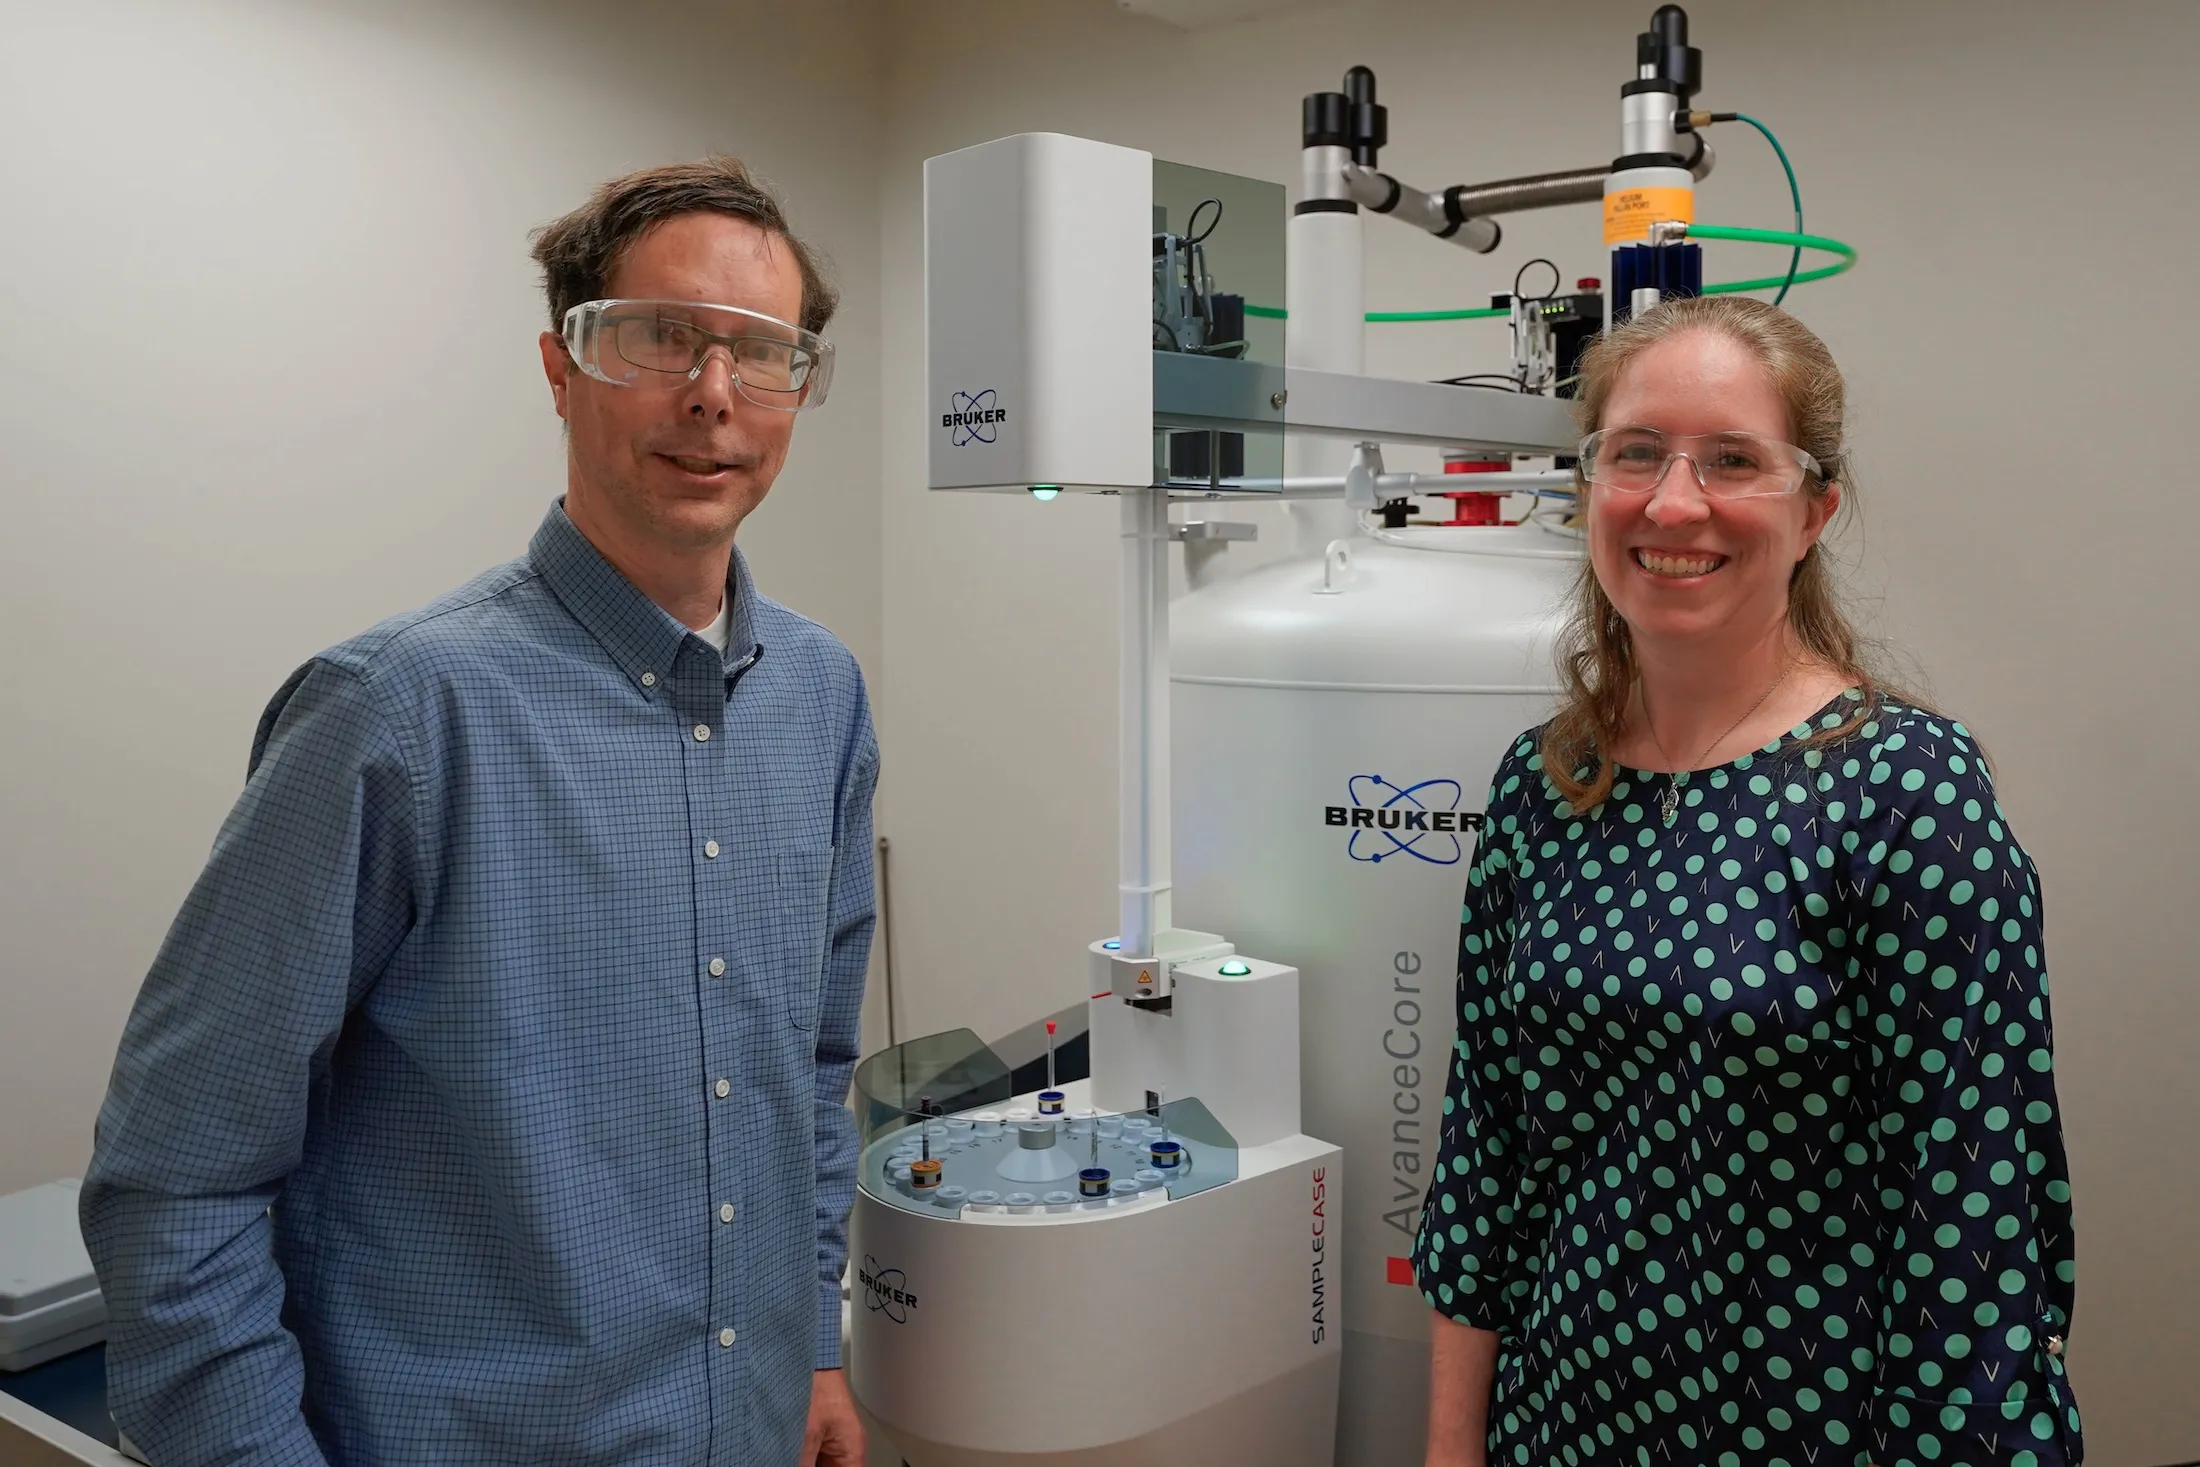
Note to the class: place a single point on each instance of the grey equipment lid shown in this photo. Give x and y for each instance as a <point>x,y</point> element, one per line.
<point>42,1257</point>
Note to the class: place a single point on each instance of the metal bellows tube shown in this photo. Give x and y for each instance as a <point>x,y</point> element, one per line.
<point>1537,191</point>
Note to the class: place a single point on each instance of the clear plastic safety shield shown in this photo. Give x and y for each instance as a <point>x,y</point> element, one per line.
<point>1218,281</point>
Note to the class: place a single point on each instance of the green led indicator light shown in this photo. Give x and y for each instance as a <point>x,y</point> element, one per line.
<point>1045,492</point>
<point>1234,969</point>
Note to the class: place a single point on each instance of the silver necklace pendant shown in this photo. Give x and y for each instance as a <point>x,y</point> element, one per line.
<point>1670,801</point>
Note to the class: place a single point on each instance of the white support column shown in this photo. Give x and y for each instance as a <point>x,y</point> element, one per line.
<point>1325,298</point>
<point>1143,698</point>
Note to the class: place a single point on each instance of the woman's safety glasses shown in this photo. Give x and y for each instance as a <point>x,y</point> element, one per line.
<point>1729,465</point>
<point>667,343</point>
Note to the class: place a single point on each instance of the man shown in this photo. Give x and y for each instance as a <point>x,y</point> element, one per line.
<point>484,1104</point>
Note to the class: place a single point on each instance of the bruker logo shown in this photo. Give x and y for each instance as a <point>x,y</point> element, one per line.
<point>885,1290</point>
<point>976,417</point>
<point>1418,820</point>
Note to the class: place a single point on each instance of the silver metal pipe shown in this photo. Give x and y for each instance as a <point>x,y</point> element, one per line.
<point>1525,481</point>
<point>1479,202</point>
<point>1318,172</point>
<point>1383,194</point>
<point>886,937</point>
<point>1646,124</point>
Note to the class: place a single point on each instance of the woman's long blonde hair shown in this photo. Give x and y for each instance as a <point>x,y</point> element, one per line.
<point>1596,655</point>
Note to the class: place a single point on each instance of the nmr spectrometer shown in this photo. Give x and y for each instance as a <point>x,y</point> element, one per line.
<point>1160,1263</point>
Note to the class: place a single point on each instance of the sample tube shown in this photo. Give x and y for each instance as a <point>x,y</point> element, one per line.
<point>925,1172</point>
<point>1050,1099</point>
<point>1167,1155</point>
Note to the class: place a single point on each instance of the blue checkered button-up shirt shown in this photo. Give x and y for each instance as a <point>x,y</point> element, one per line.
<point>484,1104</point>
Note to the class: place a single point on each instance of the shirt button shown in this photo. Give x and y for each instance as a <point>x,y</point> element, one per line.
<point>725,1212</point>
<point>2055,1345</point>
<point>710,849</point>
<point>702,733</point>
<point>722,1089</point>
<point>725,1337</point>
<point>649,680</point>
<point>717,967</point>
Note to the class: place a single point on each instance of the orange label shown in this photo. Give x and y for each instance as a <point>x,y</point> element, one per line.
<point>1629,213</point>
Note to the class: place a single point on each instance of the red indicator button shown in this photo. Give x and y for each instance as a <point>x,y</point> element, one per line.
<point>1401,1270</point>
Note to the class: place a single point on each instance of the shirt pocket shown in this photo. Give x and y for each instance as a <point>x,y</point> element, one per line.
<point>801,886</point>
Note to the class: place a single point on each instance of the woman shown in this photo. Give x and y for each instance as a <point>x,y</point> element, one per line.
<point>1750,1149</point>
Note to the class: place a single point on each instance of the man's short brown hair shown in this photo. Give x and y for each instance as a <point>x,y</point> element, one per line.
<point>578,252</point>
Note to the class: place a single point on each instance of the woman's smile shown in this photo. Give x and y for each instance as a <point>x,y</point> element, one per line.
<point>1678,565</point>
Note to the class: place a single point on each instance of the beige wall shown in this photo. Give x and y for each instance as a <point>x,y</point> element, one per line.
<point>270,375</point>
<point>2015,175</point>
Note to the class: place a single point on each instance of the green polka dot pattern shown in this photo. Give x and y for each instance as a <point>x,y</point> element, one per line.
<point>1750,1151</point>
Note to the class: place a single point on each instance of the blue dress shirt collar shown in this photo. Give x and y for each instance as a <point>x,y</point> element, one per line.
<point>637,633</point>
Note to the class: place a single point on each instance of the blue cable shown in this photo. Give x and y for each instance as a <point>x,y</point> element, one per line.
<point>1794,191</point>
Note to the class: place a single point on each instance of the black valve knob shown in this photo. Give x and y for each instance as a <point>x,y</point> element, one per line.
<point>1665,47</point>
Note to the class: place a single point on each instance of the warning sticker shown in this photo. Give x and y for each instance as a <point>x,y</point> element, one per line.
<point>1629,213</point>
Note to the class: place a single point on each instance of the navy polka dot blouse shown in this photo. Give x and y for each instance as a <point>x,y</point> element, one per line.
<point>1750,1150</point>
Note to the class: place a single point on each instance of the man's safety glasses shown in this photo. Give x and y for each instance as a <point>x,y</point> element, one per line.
<point>666,344</point>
